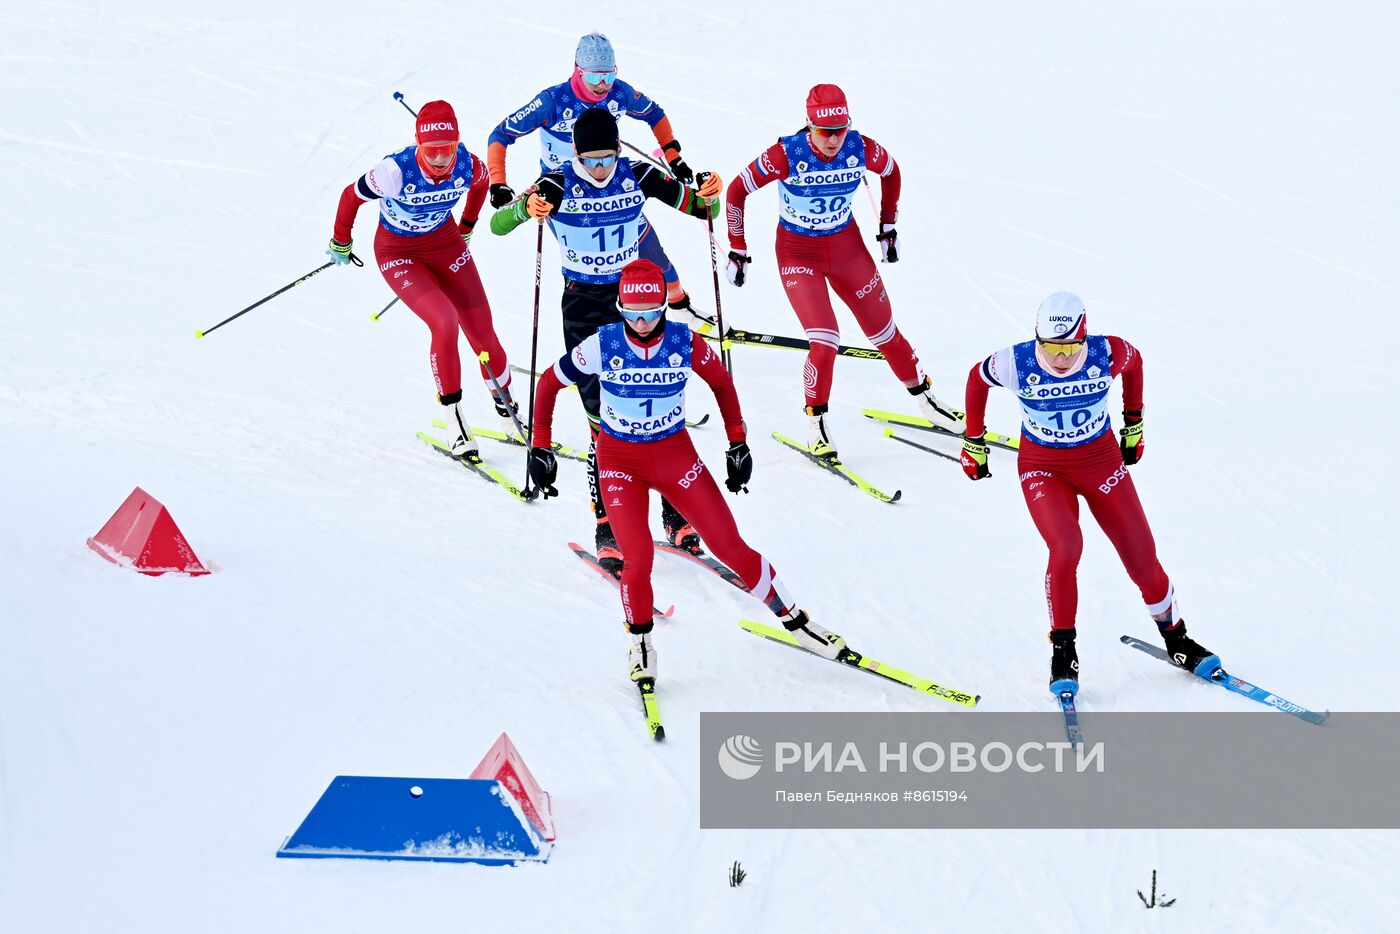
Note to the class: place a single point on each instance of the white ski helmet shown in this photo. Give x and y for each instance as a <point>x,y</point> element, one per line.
<point>1061,318</point>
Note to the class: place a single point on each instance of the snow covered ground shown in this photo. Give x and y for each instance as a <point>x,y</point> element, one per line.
<point>1217,181</point>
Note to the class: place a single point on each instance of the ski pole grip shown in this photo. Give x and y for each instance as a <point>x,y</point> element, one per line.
<point>484,356</point>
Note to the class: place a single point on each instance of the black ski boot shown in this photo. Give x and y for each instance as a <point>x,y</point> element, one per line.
<point>679,532</point>
<point>609,555</point>
<point>1187,653</point>
<point>1064,663</point>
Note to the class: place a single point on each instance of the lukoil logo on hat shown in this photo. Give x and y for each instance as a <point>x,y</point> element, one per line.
<point>826,106</point>
<point>740,757</point>
<point>437,123</point>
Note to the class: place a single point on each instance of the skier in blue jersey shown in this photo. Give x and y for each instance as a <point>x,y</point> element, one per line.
<point>595,205</point>
<point>644,364</point>
<point>593,85</point>
<point>1061,380</point>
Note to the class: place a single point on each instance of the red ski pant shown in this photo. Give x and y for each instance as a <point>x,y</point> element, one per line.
<point>807,265</point>
<point>627,471</point>
<point>437,279</point>
<point>1052,480</point>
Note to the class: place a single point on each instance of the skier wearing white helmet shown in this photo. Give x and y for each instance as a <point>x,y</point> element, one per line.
<point>1062,381</point>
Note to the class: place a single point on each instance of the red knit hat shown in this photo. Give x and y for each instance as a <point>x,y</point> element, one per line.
<point>437,123</point>
<point>826,107</point>
<point>642,283</point>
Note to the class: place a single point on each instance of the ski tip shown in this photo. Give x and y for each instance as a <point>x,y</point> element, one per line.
<point>1126,640</point>
<point>659,734</point>
<point>894,498</point>
<point>668,612</point>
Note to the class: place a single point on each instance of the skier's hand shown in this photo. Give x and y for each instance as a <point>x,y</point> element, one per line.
<point>465,228</point>
<point>501,195</point>
<point>340,252</point>
<point>1130,436</point>
<point>710,185</point>
<point>680,170</point>
<point>734,269</point>
<point>543,470</point>
<point>538,207</point>
<point>671,152</point>
<point>888,239</point>
<point>974,458</point>
<point>738,463</point>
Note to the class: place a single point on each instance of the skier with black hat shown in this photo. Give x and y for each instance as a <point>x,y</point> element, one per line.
<point>594,203</point>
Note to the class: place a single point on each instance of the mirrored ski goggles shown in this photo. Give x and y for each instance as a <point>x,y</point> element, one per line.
<point>829,132</point>
<point>594,162</point>
<point>1060,349</point>
<point>437,150</point>
<point>648,314</point>
<point>597,77</point>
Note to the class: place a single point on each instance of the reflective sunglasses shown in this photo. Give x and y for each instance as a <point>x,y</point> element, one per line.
<point>594,77</point>
<point>650,314</point>
<point>828,132</point>
<point>432,150</point>
<point>594,162</point>
<point>1060,349</point>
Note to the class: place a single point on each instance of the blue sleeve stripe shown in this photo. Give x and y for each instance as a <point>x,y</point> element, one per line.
<point>363,190</point>
<point>567,372</point>
<point>987,376</point>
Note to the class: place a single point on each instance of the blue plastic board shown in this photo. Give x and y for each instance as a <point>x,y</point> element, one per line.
<point>449,820</point>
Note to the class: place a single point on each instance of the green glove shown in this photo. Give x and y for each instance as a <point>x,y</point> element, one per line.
<point>339,252</point>
<point>974,458</point>
<point>1130,436</point>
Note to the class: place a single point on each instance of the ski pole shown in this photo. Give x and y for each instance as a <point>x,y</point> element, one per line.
<point>889,433</point>
<point>485,357</point>
<point>719,305</point>
<point>198,334</point>
<point>529,492</point>
<point>714,258</point>
<point>379,314</point>
<point>870,193</point>
<point>398,96</point>
<point>652,159</point>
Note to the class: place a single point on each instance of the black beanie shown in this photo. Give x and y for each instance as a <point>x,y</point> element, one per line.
<point>595,131</point>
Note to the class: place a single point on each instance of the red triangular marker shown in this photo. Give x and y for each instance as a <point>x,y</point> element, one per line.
<point>503,763</point>
<point>142,535</point>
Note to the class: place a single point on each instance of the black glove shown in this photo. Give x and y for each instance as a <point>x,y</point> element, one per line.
<point>738,463</point>
<point>734,269</point>
<point>888,239</point>
<point>679,169</point>
<point>543,470</point>
<point>501,195</point>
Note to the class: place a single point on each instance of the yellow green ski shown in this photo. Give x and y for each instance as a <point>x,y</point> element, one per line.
<point>647,688</point>
<point>868,664</point>
<point>993,438</point>
<point>476,465</point>
<point>833,465</point>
